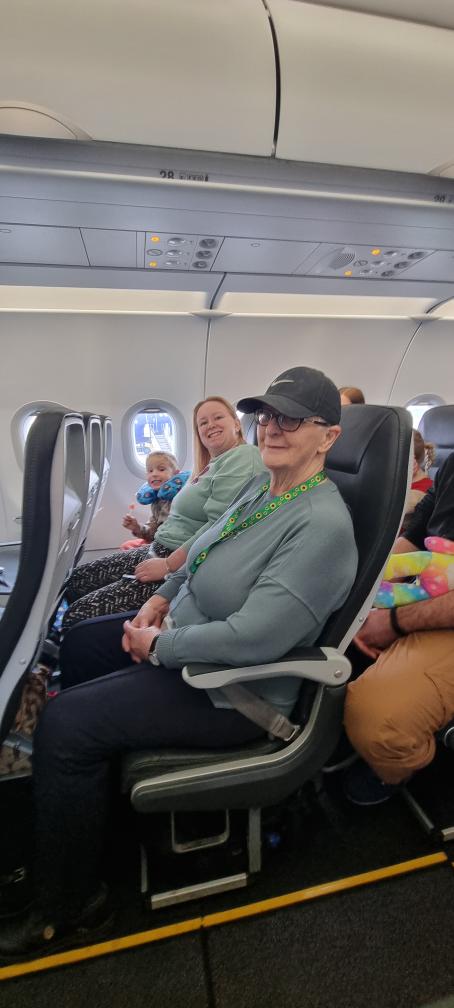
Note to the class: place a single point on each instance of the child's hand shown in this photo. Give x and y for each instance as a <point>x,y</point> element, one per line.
<point>132,524</point>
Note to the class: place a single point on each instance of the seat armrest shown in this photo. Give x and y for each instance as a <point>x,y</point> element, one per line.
<point>323,665</point>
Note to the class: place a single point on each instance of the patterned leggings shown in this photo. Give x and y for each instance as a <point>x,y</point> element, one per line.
<point>97,588</point>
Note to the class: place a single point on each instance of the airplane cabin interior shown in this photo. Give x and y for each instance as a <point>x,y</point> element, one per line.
<point>196,196</point>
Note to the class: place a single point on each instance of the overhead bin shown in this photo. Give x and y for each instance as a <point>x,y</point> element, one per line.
<point>438,12</point>
<point>190,75</point>
<point>358,89</point>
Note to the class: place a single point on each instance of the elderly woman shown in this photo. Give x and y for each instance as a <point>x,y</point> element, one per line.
<point>254,586</point>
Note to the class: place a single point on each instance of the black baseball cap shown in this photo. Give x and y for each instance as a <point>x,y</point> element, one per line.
<point>299,392</point>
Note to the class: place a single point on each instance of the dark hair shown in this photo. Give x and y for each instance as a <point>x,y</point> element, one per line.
<point>354,394</point>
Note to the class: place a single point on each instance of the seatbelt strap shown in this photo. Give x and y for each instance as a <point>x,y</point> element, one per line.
<point>260,712</point>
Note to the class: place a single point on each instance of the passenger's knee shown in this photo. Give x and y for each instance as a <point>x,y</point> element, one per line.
<point>56,726</point>
<point>385,728</point>
<point>370,723</point>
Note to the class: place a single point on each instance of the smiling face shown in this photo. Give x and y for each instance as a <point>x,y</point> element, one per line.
<point>159,470</point>
<point>298,454</point>
<point>218,430</point>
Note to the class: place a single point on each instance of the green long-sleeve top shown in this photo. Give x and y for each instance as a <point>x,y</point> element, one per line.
<point>199,504</point>
<point>260,593</point>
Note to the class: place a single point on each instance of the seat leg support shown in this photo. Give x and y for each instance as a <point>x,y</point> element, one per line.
<point>444,835</point>
<point>209,888</point>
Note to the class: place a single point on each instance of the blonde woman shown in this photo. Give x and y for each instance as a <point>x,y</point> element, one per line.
<point>223,463</point>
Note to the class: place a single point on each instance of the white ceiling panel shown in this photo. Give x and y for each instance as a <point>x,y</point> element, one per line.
<point>99,300</point>
<point>327,305</point>
<point>21,243</point>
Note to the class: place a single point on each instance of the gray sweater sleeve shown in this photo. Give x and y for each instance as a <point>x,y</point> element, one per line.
<point>172,584</point>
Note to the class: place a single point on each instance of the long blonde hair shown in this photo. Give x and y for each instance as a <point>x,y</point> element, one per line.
<point>201,454</point>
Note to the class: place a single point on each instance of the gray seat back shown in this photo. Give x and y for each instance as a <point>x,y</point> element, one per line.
<point>93,474</point>
<point>106,429</point>
<point>52,511</point>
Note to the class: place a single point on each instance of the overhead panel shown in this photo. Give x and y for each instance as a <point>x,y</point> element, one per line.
<point>22,243</point>
<point>107,247</point>
<point>177,251</point>
<point>374,262</point>
<point>197,75</point>
<point>254,255</point>
<point>363,90</point>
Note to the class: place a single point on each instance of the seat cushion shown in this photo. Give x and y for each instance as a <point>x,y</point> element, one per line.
<point>137,766</point>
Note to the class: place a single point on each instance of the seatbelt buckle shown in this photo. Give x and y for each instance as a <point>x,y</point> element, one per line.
<point>277,731</point>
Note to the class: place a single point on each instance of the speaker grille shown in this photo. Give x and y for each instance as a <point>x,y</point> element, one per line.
<point>341,259</point>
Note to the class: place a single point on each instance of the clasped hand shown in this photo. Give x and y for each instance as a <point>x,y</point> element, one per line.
<point>137,641</point>
<point>140,632</point>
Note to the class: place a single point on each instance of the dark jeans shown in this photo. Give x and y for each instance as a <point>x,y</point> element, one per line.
<point>80,738</point>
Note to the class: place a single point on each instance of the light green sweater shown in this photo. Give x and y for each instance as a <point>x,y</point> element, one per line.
<point>198,505</point>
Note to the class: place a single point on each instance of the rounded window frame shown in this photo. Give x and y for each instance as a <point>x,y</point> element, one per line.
<point>19,421</point>
<point>127,432</point>
<point>429,398</point>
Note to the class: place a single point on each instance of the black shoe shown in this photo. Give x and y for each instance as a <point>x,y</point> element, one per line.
<point>15,896</point>
<point>38,935</point>
<point>363,787</point>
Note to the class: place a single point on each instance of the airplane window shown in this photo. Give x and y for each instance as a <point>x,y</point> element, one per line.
<point>420,404</point>
<point>153,431</point>
<point>152,425</point>
<point>22,423</point>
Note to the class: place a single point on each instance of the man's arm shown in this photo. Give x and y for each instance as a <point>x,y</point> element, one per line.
<point>377,634</point>
<point>434,614</point>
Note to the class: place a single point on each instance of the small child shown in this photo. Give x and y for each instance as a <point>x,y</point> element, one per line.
<point>108,585</point>
<point>161,487</point>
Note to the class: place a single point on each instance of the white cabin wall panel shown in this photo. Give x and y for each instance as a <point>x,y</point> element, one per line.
<point>363,90</point>
<point>245,354</point>
<point>428,365</point>
<point>197,75</point>
<point>101,363</point>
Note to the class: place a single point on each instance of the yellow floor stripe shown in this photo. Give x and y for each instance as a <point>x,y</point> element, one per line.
<point>324,889</point>
<point>224,917</point>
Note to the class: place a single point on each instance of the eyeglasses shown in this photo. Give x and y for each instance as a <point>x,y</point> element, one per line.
<point>286,423</point>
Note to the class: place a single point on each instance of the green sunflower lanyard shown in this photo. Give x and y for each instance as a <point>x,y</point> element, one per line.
<point>231,528</point>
